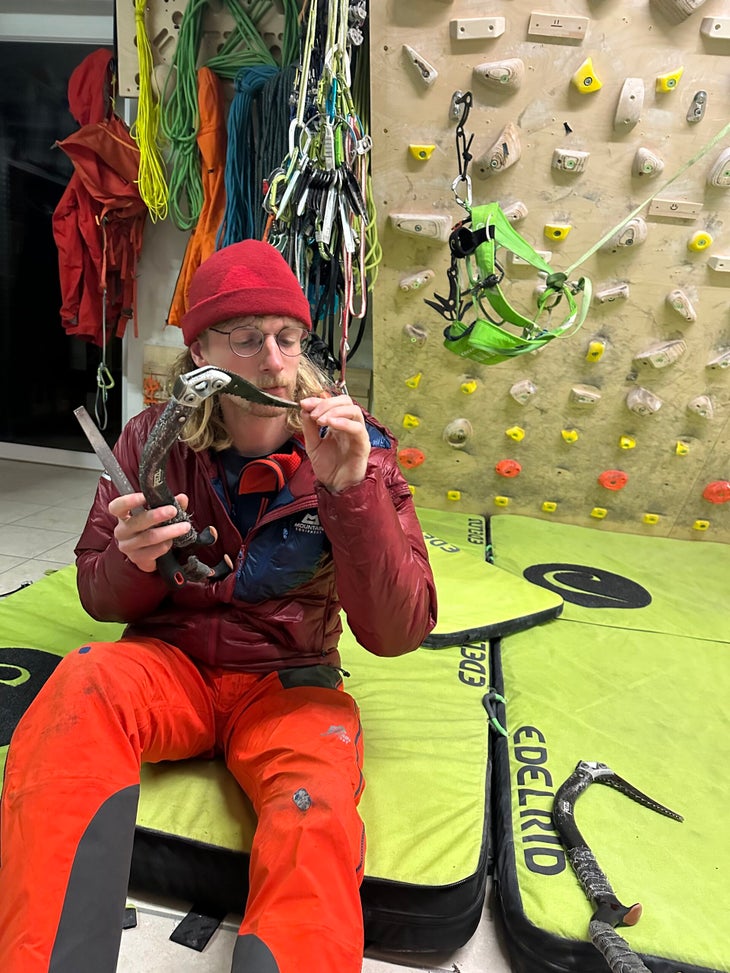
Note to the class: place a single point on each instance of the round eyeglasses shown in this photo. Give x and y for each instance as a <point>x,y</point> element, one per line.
<point>247,341</point>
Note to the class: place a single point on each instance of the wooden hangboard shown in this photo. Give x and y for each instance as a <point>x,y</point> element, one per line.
<point>625,39</point>
<point>162,21</point>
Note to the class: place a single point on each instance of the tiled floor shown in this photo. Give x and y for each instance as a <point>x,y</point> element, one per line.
<point>42,511</point>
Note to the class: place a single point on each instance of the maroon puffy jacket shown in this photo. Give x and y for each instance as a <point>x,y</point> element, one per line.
<point>373,564</point>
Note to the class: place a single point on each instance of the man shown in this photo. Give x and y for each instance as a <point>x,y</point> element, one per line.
<point>311,510</point>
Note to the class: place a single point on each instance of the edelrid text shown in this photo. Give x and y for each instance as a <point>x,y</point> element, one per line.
<point>535,793</point>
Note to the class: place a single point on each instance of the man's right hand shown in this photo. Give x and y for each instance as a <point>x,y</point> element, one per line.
<point>143,535</point>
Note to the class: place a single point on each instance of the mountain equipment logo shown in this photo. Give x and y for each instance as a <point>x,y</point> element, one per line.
<point>309,524</point>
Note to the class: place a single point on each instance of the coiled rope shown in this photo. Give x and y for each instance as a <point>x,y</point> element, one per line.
<point>242,197</point>
<point>152,182</point>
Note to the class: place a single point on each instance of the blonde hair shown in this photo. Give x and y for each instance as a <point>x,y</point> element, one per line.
<point>205,428</point>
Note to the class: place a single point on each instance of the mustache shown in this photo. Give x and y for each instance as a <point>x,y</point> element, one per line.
<point>272,385</point>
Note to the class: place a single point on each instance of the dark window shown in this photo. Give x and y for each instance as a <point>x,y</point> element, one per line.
<point>45,373</point>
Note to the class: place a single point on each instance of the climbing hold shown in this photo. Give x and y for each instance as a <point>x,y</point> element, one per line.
<point>507,74</point>
<point>585,79</point>
<point>517,433</point>
<point>556,231</point>
<point>508,468</point>
<point>501,501</point>
<point>668,82</point>
<point>411,421</point>
<point>615,292</point>
<point>413,281</point>
<point>410,457</point>
<point>678,10</point>
<point>515,211</point>
<point>414,381</point>
<point>631,234</point>
<point>503,153</point>
<point>642,402</point>
<point>596,348</point>
<point>717,492</point>
<point>701,525</point>
<point>613,479</point>
<point>549,506</point>
<point>627,442</point>
<point>721,361</point>
<point>699,241</point>
<point>415,333</point>
<point>569,160</point>
<point>650,519</point>
<point>569,435</point>
<point>421,152</point>
<point>663,353</point>
<point>646,163</point>
<point>426,72</point>
<point>681,448</point>
<point>696,110</point>
<point>599,513</point>
<point>719,174</point>
<point>469,386</point>
<point>458,432</point>
<point>630,103</point>
<point>523,391</point>
<point>585,395</point>
<point>701,405</point>
<point>453,494</point>
<point>679,302</point>
<point>429,226</point>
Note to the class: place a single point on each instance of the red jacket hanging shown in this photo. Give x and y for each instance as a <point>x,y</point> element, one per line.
<point>99,221</point>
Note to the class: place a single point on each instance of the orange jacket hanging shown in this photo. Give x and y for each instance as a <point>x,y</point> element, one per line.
<point>212,142</point>
<point>99,221</point>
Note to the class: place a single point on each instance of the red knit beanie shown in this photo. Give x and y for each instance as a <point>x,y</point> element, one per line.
<point>250,277</point>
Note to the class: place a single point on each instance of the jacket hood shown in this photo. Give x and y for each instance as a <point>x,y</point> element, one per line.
<point>90,87</point>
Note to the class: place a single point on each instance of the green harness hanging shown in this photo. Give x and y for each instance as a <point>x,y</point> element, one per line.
<point>474,244</point>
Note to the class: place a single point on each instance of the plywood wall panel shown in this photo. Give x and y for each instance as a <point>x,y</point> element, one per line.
<point>629,39</point>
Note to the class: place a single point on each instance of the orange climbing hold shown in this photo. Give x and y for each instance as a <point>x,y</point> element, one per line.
<point>613,479</point>
<point>508,468</point>
<point>410,457</point>
<point>717,492</point>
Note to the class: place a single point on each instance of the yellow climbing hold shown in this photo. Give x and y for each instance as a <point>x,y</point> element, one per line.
<point>585,79</point>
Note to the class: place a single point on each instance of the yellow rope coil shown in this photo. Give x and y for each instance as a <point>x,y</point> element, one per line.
<point>152,182</point>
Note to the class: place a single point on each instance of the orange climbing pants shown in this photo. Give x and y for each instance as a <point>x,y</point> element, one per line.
<point>291,739</point>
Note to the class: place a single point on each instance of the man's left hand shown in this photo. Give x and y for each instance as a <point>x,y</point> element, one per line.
<point>336,441</point>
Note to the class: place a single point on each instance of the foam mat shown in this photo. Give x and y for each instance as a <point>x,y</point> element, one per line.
<point>477,600</point>
<point>624,580</point>
<point>641,686</point>
<point>425,811</point>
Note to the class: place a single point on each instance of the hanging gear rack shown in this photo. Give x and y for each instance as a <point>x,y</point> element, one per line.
<point>317,200</point>
<point>475,277</point>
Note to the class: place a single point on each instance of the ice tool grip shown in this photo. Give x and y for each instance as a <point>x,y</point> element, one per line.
<point>189,391</point>
<point>609,911</point>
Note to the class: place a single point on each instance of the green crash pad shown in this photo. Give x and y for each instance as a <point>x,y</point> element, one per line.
<point>642,687</point>
<point>476,599</point>
<point>655,584</point>
<point>425,811</point>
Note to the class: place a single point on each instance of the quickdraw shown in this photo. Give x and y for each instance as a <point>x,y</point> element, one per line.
<point>317,200</point>
<point>475,277</point>
<point>609,912</point>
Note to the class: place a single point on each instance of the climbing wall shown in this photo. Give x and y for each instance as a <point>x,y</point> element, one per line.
<point>624,425</point>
